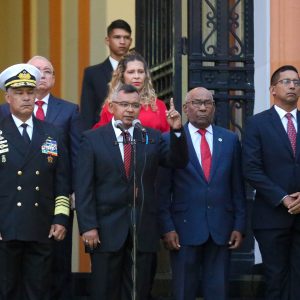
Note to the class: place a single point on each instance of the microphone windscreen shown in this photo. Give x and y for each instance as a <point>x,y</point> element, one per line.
<point>136,121</point>
<point>118,123</point>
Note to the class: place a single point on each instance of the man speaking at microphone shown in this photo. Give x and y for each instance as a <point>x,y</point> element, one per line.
<point>104,195</point>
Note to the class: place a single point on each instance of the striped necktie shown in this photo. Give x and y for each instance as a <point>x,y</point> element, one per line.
<point>127,153</point>
<point>291,132</point>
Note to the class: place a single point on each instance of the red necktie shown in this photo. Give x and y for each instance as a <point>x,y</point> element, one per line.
<point>40,112</point>
<point>291,131</point>
<point>205,154</point>
<point>127,153</point>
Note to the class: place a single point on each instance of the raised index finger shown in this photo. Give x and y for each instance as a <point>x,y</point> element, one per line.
<point>172,106</point>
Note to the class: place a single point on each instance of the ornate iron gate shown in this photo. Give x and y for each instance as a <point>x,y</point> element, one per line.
<point>220,56</point>
<point>219,46</point>
<point>158,39</point>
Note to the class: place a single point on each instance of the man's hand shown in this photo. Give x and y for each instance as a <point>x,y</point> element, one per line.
<point>171,240</point>
<point>91,238</point>
<point>292,203</point>
<point>235,240</point>
<point>58,232</point>
<point>173,116</point>
<point>0,237</point>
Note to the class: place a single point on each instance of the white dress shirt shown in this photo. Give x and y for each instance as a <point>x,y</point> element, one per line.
<point>45,105</point>
<point>283,118</point>
<point>19,123</point>
<point>113,62</point>
<point>119,136</point>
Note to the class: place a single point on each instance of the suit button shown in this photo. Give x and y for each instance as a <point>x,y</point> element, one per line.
<point>36,204</point>
<point>129,205</point>
<point>208,206</point>
<point>19,204</point>
<point>20,173</point>
<point>19,188</point>
<point>37,188</point>
<point>37,172</point>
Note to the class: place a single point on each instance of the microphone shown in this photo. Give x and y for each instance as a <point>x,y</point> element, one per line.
<point>119,124</point>
<point>137,124</point>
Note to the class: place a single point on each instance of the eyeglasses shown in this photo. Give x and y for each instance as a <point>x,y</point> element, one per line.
<point>126,105</point>
<point>287,82</point>
<point>198,103</point>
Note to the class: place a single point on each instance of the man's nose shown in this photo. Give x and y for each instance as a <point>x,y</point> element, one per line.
<point>292,84</point>
<point>130,107</point>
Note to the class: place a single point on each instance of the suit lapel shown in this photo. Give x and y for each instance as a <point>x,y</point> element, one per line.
<point>140,153</point>
<point>38,137</point>
<point>218,140</point>
<point>112,144</point>
<point>298,135</point>
<point>108,70</point>
<point>192,153</point>
<point>14,138</point>
<point>279,129</point>
<point>53,110</point>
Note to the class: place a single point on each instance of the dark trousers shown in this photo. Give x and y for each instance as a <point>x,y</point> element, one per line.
<point>61,268</point>
<point>210,260</point>
<point>25,270</point>
<point>280,250</point>
<point>111,277</point>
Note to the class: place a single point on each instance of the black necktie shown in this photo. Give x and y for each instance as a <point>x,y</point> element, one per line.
<point>25,134</point>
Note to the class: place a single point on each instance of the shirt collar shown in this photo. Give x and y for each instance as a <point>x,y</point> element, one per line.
<point>113,62</point>
<point>118,132</point>
<point>18,122</point>
<point>282,112</point>
<point>194,129</point>
<point>45,99</point>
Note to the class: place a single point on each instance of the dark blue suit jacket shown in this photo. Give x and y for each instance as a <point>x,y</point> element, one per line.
<point>195,208</point>
<point>94,91</point>
<point>65,116</point>
<point>270,167</point>
<point>104,194</point>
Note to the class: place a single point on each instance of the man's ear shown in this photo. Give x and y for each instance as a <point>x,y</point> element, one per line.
<point>106,40</point>
<point>110,106</point>
<point>6,96</point>
<point>272,90</point>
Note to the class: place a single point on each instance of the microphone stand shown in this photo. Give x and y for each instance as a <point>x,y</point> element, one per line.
<point>133,143</point>
<point>133,218</point>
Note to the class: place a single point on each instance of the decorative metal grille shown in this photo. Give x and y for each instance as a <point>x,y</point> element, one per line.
<point>221,56</point>
<point>158,32</point>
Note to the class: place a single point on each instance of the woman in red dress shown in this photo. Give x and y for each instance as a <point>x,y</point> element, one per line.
<point>132,69</point>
